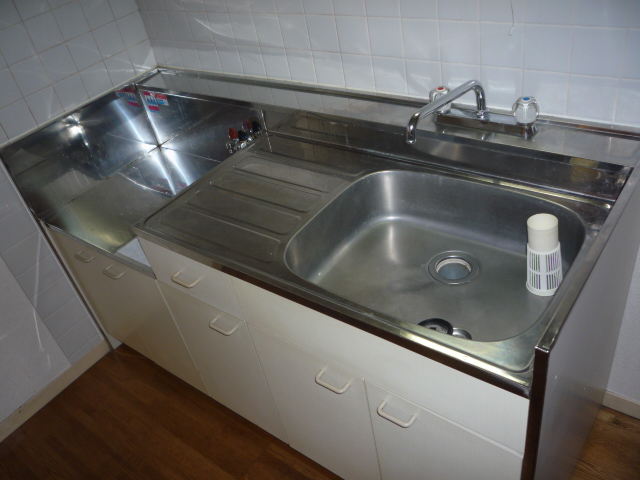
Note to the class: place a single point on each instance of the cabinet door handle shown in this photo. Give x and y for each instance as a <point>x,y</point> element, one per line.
<point>107,272</point>
<point>328,386</point>
<point>393,419</point>
<point>79,256</point>
<point>175,278</point>
<point>226,333</point>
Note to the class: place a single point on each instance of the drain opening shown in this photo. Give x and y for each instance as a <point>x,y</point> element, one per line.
<point>437,324</point>
<point>453,267</point>
<point>442,326</point>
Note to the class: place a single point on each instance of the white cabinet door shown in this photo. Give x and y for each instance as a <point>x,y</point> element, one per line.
<point>322,407</point>
<point>415,444</point>
<point>226,358</point>
<point>188,276</point>
<point>129,306</point>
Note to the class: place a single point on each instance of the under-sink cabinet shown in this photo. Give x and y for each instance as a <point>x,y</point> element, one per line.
<point>490,411</point>
<point>129,307</point>
<point>463,429</point>
<point>206,310</point>
<point>359,405</point>
<point>323,408</point>
<point>223,351</point>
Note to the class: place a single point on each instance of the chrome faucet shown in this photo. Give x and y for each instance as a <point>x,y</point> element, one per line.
<point>438,103</point>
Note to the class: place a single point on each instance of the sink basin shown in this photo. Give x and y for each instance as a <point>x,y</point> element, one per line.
<point>423,247</point>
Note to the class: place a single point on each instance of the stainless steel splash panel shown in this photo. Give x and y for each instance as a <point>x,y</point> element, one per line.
<point>196,125</point>
<point>72,155</point>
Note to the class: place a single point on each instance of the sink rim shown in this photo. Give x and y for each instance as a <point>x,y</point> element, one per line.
<point>561,203</point>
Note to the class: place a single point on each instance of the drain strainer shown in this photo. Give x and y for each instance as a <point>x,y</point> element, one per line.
<point>454,267</point>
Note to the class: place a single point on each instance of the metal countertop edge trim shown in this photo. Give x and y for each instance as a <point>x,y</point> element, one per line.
<point>297,86</point>
<point>534,415</point>
<point>482,373</point>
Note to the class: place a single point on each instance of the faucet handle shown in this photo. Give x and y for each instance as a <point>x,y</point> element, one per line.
<point>526,110</point>
<point>438,92</point>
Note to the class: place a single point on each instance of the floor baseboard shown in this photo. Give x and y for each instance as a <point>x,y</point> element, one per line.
<point>44,396</point>
<point>621,404</point>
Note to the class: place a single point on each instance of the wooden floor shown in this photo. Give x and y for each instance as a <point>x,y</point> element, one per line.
<point>613,449</point>
<point>126,418</point>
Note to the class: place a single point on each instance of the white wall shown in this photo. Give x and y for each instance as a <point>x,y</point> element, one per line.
<point>579,58</point>
<point>29,356</point>
<point>36,269</point>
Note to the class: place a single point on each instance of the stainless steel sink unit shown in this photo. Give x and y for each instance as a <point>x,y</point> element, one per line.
<point>357,232</point>
<point>334,207</point>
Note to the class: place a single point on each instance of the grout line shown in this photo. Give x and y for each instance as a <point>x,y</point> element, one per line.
<point>442,82</point>
<point>404,54</point>
<point>570,73</point>
<point>616,103</point>
<point>621,68</point>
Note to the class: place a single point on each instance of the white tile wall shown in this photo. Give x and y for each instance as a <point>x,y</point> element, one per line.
<point>556,50</point>
<point>57,54</point>
<point>29,356</point>
<point>38,272</point>
<point>58,63</point>
<point>353,35</point>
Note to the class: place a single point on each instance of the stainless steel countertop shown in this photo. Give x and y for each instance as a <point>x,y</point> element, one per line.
<point>100,205</point>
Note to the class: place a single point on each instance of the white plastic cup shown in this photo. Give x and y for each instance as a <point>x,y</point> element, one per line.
<point>542,231</point>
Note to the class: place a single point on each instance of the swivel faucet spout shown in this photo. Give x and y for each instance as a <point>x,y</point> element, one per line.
<point>481,106</point>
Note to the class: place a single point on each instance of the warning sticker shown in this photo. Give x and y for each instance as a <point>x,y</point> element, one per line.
<point>150,100</point>
<point>161,99</point>
<point>130,96</point>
